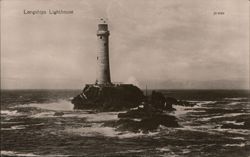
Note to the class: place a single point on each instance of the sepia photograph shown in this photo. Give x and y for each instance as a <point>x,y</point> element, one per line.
<point>125,78</point>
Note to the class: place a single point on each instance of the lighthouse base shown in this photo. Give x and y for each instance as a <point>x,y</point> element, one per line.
<point>110,97</point>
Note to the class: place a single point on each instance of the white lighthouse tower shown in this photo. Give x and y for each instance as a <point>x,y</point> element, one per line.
<point>103,70</point>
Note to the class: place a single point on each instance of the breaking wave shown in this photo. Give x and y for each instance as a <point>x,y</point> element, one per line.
<point>13,153</point>
<point>55,126</point>
<point>9,113</point>
<point>98,130</point>
<point>61,105</point>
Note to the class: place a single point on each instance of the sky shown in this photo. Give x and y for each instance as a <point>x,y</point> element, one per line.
<point>164,44</point>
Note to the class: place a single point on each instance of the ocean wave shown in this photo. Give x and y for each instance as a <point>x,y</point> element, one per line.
<point>233,103</point>
<point>202,129</point>
<point>98,130</point>
<point>200,103</point>
<point>236,145</point>
<point>183,110</point>
<point>10,113</point>
<point>130,151</point>
<point>61,105</point>
<point>234,131</point>
<point>20,127</point>
<point>238,138</point>
<point>236,99</point>
<point>223,116</point>
<point>10,122</point>
<point>171,153</point>
<point>103,116</point>
<point>95,117</point>
<point>13,153</point>
<point>48,114</point>
<point>163,149</point>
<point>234,122</point>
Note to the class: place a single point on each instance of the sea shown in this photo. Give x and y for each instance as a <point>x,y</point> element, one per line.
<point>44,123</point>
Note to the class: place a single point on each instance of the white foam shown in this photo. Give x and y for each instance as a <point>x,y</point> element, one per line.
<point>223,116</point>
<point>96,117</point>
<point>6,129</point>
<point>18,127</point>
<point>164,149</point>
<point>239,98</point>
<point>102,116</point>
<point>136,108</point>
<point>93,131</point>
<point>236,145</point>
<point>234,122</point>
<point>137,119</point>
<point>44,114</point>
<point>238,138</point>
<point>130,151</point>
<point>183,110</point>
<point>12,153</point>
<point>202,128</point>
<point>237,131</point>
<point>135,151</point>
<point>61,105</point>
<point>98,130</point>
<point>200,103</point>
<point>15,127</point>
<point>10,122</point>
<point>10,113</point>
<point>234,103</point>
<point>185,151</point>
<point>180,110</point>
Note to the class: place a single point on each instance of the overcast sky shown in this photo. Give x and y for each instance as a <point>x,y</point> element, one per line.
<point>161,43</point>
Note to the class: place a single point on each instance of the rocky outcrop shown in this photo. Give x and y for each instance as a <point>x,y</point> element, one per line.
<point>109,97</point>
<point>158,101</point>
<point>143,119</point>
<point>122,97</point>
<point>143,113</point>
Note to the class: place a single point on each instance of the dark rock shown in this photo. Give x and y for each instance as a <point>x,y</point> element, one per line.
<point>141,112</point>
<point>108,97</point>
<point>172,100</point>
<point>139,120</point>
<point>158,101</point>
<point>120,97</point>
<point>145,114</point>
<point>145,118</point>
<point>185,103</point>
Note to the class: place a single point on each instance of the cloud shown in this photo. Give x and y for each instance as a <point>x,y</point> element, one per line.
<point>153,41</point>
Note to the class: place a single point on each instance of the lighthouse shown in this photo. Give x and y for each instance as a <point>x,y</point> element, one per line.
<point>103,69</point>
<point>105,95</point>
